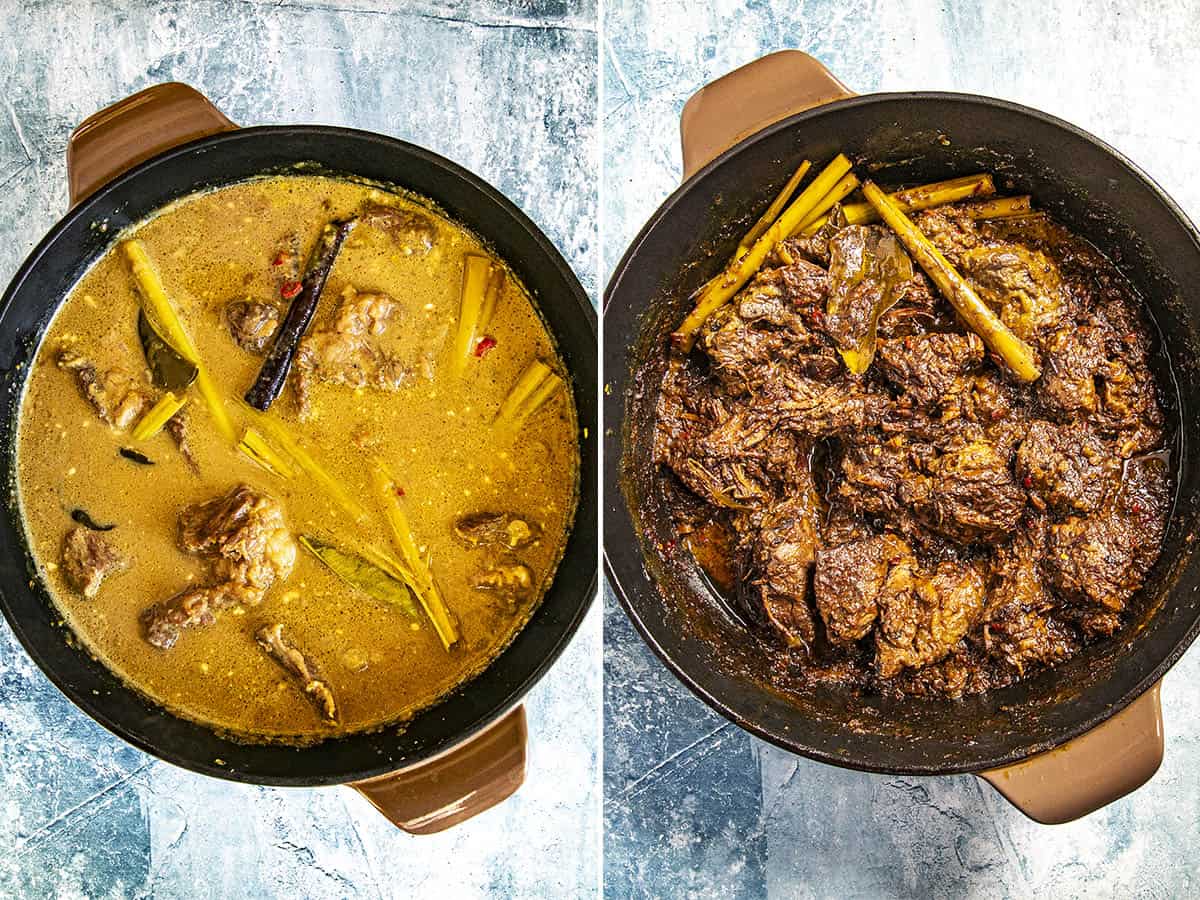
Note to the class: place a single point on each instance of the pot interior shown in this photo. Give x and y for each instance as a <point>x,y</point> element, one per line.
<point>84,235</point>
<point>898,138</point>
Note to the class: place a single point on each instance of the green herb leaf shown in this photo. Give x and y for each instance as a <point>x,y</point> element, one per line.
<point>358,573</point>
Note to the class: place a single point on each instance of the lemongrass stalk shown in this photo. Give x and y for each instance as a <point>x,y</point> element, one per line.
<point>1016,354</point>
<point>716,294</point>
<point>159,415</point>
<point>163,316</point>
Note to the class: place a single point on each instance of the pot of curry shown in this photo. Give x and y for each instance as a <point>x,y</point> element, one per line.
<point>296,425</point>
<point>907,477</point>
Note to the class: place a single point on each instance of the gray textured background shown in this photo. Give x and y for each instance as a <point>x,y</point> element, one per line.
<point>694,806</point>
<point>508,90</point>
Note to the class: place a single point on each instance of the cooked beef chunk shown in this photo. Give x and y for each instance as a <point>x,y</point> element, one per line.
<point>950,230</point>
<point>931,369</point>
<point>1074,358</point>
<point>814,407</point>
<point>1103,558</point>
<point>512,579</point>
<point>177,428</point>
<point>413,232</point>
<point>965,494</point>
<point>973,494</point>
<point>784,554</point>
<point>962,671</point>
<point>766,323</point>
<point>348,352</point>
<point>1086,375</point>
<point>252,323</point>
<point>109,382</point>
<point>1024,637</point>
<point>87,559</point>
<point>270,638</point>
<point>496,529</point>
<point>1065,468</point>
<point>1016,572</point>
<point>1023,285</point>
<point>847,582</point>
<point>922,615</point>
<point>244,530</point>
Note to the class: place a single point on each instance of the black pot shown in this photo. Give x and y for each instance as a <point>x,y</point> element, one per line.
<point>916,137</point>
<point>440,737</point>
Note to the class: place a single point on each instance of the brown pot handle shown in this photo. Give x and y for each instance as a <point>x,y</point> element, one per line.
<point>457,785</point>
<point>1098,767</point>
<point>749,99</point>
<point>134,129</point>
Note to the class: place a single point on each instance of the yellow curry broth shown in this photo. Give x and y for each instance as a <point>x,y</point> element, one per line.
<point>435,435</point>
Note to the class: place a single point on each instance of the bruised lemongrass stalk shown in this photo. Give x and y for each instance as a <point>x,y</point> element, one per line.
<point>999,208</point>
<point>925,196</point>
<point>840,191</point>
<point>767,219</point>
<point>425,587</point>
<point>255,446</point>
<point>317,472</point>
<point>483,279</point>
<point>158,415</point>
<point>1015,353</point>
<point>535,386</point>
<point>166,321</point>
<point>740,270</point>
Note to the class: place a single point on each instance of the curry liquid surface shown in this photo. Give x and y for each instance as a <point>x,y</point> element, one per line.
<point>435,433</point>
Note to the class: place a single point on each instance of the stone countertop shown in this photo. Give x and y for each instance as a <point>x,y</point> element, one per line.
<point>693,805</point>
<point>506,90</point>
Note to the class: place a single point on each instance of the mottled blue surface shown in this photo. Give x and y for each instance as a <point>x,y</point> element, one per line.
<point>695,807</point>
<point>508,90</point>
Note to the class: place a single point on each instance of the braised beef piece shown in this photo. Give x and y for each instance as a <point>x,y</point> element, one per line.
<point>413,232</point>
<point>966,494</point>
<point>767,322</point>
<point>973,493</point>
<point>931,369</point>
<point>792,399</point>
<point>924,614</point>
<point>245,534</point>
<point>302,670</point>
<point>496,529</point>
<point>950,230</point>
<point>783,554</point>
<point>971,528</point>
<point>109,381</point>
<point>1090,373</point>
<point>1023,286</point>
<point>348,350</point>
<point>87,559</point>
<point>848,580</point>
<point>252,323</point>
<point>1065,468</point>
<point>509,578</point>
<point>1103,558</point>
<point>177,428</point>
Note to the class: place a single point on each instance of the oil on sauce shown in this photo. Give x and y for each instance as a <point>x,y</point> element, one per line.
<point>435,434</point>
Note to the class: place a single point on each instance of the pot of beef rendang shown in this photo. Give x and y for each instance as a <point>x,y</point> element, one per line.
<point>906,480</point>
<point>297,423</point>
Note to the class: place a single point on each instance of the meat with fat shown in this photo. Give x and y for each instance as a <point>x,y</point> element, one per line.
<point>88,559</point>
